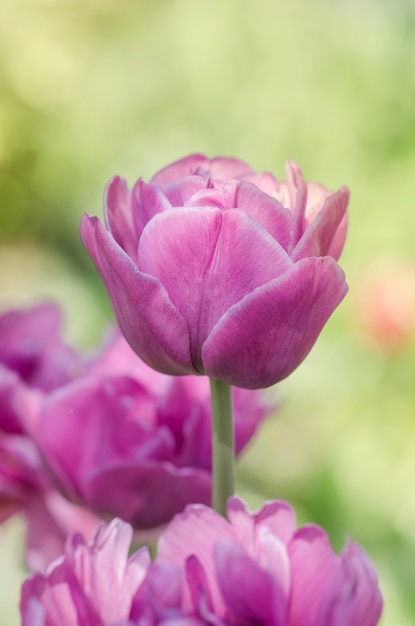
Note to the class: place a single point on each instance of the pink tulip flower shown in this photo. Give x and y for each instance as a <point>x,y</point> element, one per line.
<point>213,269</point>
<point>93,584</point>
<point>97,583</point>
<point>127,441</point>
<point>258,569</point>
<point>33,360</point>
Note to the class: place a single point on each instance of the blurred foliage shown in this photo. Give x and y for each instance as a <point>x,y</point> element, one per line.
<point>92,88</point>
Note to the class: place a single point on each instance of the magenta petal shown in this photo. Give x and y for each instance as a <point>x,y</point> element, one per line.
<point>320,234</point>
<point>151,324</point>
<point>313,564</point>
<point>288,314</point>
<point>220,258</point>
<point>118,215</point>
<point>353,596</point>
<point>251,594</point>
<point>146,201</point>
<point>195,532</point>
<point>277,516</point>
<point>146,494</point>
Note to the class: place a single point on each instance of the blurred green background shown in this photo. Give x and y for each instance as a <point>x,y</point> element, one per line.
<point>92,88</point>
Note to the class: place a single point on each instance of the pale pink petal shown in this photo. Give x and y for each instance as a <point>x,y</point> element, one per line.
<point>179,169</point>
<point>320,234</point>
<point>196,532</point>
<point>313,564</point>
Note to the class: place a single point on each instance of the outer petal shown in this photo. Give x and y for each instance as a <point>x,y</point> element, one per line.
<point>322,232</point>
<point>118,215</point>
<point>276,516</point>
<point>287,314</point>
<point>153,327</point>
<point>220,258</point>
<point>353,596</point>
<point>313,564</point>
<point>147,494</point>
<point>195,532</point>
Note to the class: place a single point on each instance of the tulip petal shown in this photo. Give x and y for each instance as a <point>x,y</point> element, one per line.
<point>319,235</point>
<point>151,324</point>
<point>313,564</point>
<point>118,215</point>
<point>146,494</point>
<point>264,209</point>
<point>353,596</point>
<point>251,593</point>
<point>287,314</point>
<point>277,516</point>
<point>178,169</point>
<point>220,258</point>
<point>195,532</point>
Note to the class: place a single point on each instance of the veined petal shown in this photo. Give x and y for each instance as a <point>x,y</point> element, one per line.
<point>220,258</point>
<point>288,314</point>
<point>264,209</point>
<point>321,232</point>
<point>146,200</point>
<point>152,325</point>
<point>118,215</point>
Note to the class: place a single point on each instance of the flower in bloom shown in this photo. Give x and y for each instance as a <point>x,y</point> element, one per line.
<point>252,569</point>
<point>91,584</point>
<point>214,269</point>
<point>33,360</point>
<point>127,441</point>
<point>259,569</point>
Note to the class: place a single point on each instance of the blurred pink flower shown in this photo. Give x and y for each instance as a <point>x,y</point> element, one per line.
<point>33,360</point>
<point>213,269</point>
<point>130,442</point>
<point>385,304</point>
<point>258,569</point>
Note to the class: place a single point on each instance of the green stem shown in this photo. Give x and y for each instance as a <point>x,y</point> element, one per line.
<point>223,445</point>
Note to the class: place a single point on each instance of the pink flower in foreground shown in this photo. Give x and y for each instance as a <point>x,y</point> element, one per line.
<point>33,360</point>
<point>130,442</point>
<point>258,569</point>
<point>213,269</point>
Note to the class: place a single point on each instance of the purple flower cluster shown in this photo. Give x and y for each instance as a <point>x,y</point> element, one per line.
<point>253,569</point>
<point>103,435</point>
<point>213,271</point>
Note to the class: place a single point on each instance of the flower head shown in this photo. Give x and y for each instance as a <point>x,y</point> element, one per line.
<point>259,569</point>
<point>33,361</point>
<point>125,440</point>
<point>213,269</point>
